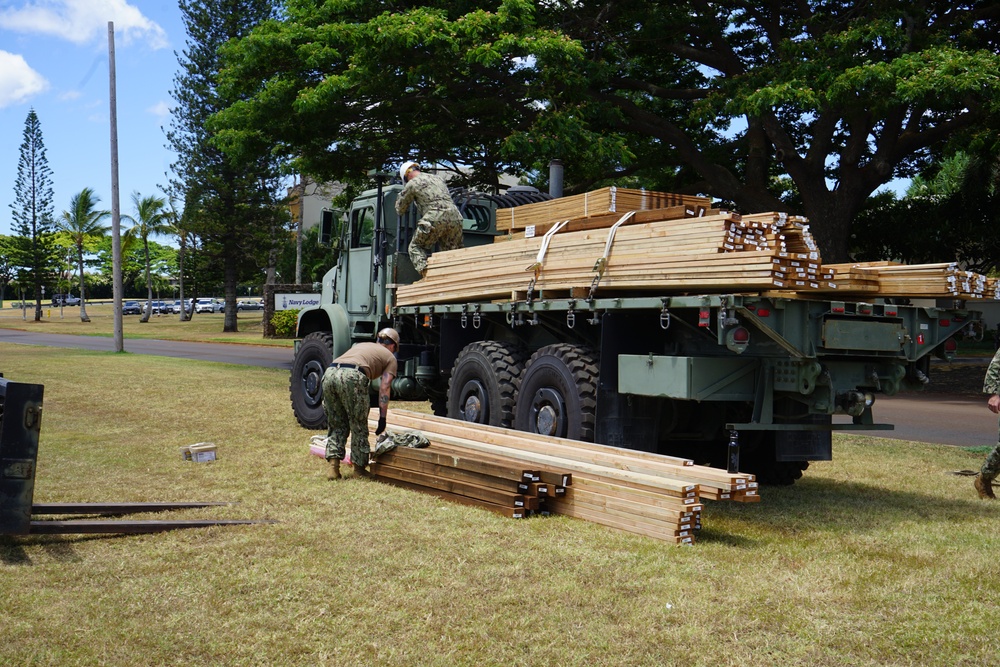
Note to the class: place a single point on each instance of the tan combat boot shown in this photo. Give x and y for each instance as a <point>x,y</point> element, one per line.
<point>984,488</point>
<point>361,471</point>
<point>333,471</point>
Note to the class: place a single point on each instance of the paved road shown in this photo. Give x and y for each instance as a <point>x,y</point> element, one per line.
<point>933,418</point>
<point>247,355</point>
<point>918,417</point>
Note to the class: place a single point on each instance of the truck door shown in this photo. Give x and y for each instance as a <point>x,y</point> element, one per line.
<point>360,288</point>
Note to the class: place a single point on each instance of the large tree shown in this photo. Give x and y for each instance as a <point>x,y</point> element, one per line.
<point>33,248</point>
<point>949,213</point>
<point>82,223</point>
<point>730,99</point>
<point>233,202</point>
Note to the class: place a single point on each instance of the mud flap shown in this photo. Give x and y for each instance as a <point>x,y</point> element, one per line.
<point>805,445</point>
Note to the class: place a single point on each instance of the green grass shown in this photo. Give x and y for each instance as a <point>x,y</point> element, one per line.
<point>879,557</point>
<point>204,327</point>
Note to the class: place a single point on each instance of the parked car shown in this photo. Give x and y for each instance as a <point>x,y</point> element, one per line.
<point>247,304</point>
<point>175,307</point>
<point>65,300</point>
<point>131,308</point>
<point>209,306</point>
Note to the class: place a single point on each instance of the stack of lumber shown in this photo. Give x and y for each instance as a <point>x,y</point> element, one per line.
<point>595,202</point>
<point>724,252</point>
<point>941,280</point>
<point>491,467</point>
<point>493,482</point>
<point>609,219</point>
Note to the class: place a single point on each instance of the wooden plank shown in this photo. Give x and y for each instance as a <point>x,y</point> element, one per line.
<point>509,512</point>
<point>626,507</point>
<point>556,456</point>
<point>648,528</point>
<point>617,457</point>
<point>449,472</point>
<point>451,486</point>
<point>596,202</point>
<point>441,456</point>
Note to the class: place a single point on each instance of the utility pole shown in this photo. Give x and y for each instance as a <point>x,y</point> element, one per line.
<point>116,238</point>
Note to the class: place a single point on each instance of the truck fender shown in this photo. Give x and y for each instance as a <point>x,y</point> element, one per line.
<point>331,318</point>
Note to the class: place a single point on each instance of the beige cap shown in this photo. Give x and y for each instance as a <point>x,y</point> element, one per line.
<point>389,333</point>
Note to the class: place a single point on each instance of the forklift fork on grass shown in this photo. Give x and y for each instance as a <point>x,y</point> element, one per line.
<point>20,424</point>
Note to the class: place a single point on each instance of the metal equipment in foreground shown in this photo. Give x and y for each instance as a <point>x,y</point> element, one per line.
<point>20,424</point>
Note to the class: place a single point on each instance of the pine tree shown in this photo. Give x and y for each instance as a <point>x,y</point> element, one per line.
<point>33,248</point>
<point>231,204</point>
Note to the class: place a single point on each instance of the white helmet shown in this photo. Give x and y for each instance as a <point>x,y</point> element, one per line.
<point>405,167</point>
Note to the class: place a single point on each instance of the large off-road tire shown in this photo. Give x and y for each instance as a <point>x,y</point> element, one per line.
<point>760,459</point>
<point>439,405</point>
<point>557,393</point>
<point>306,385</point>
<point>483,381</point>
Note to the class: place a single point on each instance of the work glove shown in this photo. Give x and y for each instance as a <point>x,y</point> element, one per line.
<point>381,426</point>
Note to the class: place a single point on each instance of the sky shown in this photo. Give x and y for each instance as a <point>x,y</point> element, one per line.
<point>54,59</point>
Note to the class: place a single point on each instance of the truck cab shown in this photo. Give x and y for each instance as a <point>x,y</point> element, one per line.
<point>357,292</point>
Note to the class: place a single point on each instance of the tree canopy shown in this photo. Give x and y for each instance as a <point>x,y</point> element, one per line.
<point>231,203</point>
<point>730,99</point>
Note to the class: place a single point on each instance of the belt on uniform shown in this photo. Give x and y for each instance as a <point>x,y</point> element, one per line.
<point>352,367</point>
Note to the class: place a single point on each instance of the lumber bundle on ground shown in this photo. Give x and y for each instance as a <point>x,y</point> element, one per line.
<point>518,474</point>
<point>940,280</point>
<point>594,203</point>
<point>724,252</point>
<point>488,482</point>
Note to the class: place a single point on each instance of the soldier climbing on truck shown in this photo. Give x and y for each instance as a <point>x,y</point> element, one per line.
<point>440,221</point>
<point>663,369</point>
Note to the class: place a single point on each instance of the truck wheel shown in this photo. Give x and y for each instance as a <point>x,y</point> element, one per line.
<point>557,393</point>
<point>761,460</point>
<point>439,405</point>
<point>483,381</point>
<point>306,386</point>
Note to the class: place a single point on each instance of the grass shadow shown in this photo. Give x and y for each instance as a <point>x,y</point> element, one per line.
<point>815,505</point>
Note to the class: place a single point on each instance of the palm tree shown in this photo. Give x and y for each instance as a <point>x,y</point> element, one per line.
<point>176,227</point>
<point>150,218</point>
<point>82,223</point>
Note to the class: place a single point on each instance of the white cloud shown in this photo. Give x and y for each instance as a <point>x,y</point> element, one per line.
<point>84,21</point>
<point>161,110</point>
<point>18,82</point>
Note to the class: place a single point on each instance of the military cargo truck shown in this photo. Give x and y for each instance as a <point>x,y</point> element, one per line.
<point>697,375</point>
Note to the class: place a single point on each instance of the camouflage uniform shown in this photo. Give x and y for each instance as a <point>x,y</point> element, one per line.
<point>440,221</point>
<point>345,399</point>
<point>991,385</point>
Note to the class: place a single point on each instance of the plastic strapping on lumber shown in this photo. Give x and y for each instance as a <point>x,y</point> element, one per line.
<point>614,200</point>
<point>537,266</point>
<point>602,263</point>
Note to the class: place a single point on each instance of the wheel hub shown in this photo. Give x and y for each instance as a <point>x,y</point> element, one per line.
<point>548,412</point>
<point>475,405</point>
<point>312,382</point>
